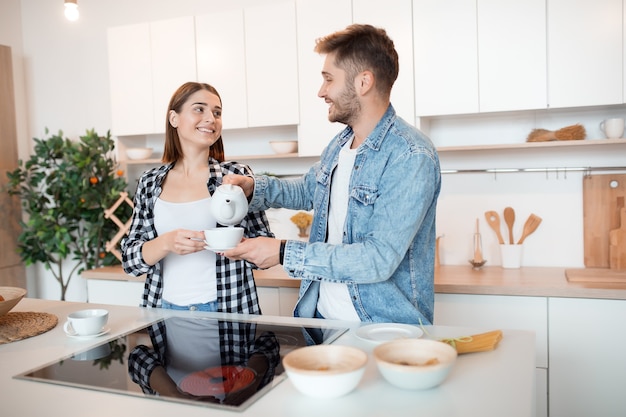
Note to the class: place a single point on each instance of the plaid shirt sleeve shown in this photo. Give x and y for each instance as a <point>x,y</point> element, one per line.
<point>143,360</point>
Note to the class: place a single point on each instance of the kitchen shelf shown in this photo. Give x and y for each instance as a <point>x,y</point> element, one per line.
<point>441,149</point>
<point>534,145</point>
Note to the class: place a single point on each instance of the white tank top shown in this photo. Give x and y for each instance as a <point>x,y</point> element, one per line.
<point>334,300</point>
<point>187,279</point>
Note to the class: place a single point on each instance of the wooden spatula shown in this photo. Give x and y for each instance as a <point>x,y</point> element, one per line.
<point>530,226</point>
<point>493,219</point>
<point>509,219</point>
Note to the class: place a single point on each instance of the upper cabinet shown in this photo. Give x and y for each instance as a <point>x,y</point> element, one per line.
<point>585,53</point>
<point>221,57</point>
<point>314,21</point>
<point>253,64</point>
<point>511,55</point>
<point>272,64</point>
<point>493,60</point>
<point>147,62</point>
<point>446,57</point>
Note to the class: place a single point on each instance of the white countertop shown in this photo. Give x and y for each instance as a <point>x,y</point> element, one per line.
<point>496,383</point>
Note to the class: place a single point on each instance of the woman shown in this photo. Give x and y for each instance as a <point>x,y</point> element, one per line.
<point>165,240</point>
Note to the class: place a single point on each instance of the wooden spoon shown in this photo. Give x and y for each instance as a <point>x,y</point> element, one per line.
<point>530,226</point>
<point>494,221</point>
<point>509,218</point>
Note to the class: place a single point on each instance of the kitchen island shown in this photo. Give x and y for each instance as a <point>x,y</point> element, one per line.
<point>500,382</point>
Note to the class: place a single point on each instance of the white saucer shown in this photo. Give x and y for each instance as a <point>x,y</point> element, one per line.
<point>384,332</point>
<point>91,336</point>
<point>216,249</point>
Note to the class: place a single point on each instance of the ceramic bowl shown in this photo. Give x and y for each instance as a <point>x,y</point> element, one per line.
<point>285,146</point>
<point>325,371</point>
<point>415,364</point>
<point>12,296</point>
<point>138,153</point>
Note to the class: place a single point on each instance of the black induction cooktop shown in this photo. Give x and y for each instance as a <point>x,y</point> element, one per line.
<point>197,360</point>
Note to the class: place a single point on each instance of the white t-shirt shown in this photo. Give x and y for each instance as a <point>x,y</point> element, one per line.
<point>187,279</point>
<point>334,300</point>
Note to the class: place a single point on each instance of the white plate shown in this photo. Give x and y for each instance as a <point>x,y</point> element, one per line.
<point>384,332</point>
<point>217,249</point>
<point>92,336</point>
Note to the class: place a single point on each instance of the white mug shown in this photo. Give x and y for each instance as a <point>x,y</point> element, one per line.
<point>612,128</point>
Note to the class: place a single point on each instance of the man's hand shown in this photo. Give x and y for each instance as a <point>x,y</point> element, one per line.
<point>261,251</point>
<point>246,183</point>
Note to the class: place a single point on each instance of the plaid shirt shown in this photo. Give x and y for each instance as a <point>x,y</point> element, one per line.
<point>236,291</point>
<point>238,343</point>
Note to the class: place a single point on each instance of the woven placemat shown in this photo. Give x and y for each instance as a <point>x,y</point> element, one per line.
<point>21,325</point>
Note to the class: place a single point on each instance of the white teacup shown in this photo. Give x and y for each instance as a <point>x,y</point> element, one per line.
<point>86,322</point>
<point>222,238</point>
<point>612,128</point>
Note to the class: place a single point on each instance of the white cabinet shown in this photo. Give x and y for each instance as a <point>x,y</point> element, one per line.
<point>446,57</point>
<point>272,64</point>
<point>585,53</point>
<point>221,58</point>
<point>587,361</point>
<point>483,56</point>
<point>512,55</point>
<point>502,312</point>
<point>314,21</point>
<point>396,19</point>
<point>147,63</point>
<point>249,55</point>
<point>130,77</point>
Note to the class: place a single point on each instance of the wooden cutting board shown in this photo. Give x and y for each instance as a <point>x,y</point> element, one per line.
<point>603,198</point>
<point>617,244</point>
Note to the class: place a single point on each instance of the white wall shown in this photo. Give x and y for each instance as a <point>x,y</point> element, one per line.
<point>61,74</point>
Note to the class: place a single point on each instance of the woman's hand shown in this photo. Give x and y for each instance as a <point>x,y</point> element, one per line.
<point>179,241</point>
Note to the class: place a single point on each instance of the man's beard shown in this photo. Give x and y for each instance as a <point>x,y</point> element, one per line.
<point>347,106</point>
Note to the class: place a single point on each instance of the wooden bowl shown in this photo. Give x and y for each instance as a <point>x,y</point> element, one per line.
<point>12,296</point>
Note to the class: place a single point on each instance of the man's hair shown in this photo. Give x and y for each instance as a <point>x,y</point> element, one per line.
<point>359,48</point>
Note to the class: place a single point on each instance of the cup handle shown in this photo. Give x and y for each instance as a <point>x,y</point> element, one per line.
<point>602,126</point>
<point>67,327</point>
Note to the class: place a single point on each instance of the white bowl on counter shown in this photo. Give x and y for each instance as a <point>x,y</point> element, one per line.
<point>415,364</point>
<point>325,371</point>
<point>282,147</point>
<point>139,153</point>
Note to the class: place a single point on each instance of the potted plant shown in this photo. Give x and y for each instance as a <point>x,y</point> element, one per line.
<point>64,188</point>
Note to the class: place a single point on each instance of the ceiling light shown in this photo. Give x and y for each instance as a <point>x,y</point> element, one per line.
<point>71,10</point>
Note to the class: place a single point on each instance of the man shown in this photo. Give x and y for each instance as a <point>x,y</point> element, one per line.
<point>374,193</point>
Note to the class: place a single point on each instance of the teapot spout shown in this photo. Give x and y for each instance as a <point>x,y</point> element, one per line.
<point>227,212</point>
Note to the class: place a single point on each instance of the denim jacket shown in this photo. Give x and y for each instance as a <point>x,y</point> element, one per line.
<point>388,250</point>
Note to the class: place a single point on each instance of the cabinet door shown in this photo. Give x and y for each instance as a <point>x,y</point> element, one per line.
<point>584,53</point>
<point>272,64</point>
<point>396,19</point>
<point>502,312</point>
<point>512,55</point>
<point>446,57</point>
<point>587,372</point>
<point>130,78</point>
<point>221,59</point>
<point>173,50</point>
<point>314,21</point>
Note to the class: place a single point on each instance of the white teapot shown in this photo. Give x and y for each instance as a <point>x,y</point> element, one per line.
<point>228,204</point>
